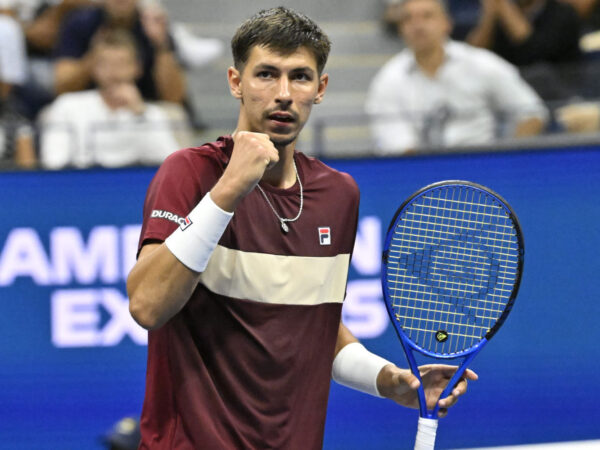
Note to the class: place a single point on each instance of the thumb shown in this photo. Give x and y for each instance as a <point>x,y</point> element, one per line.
<point>406,377</point>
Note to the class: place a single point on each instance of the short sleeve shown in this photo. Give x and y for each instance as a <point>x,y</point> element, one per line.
<point>76,33</point>
<point>177,187</point>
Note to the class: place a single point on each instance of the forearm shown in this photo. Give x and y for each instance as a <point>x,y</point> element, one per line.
<point>513,21</point>
<point>72,74</point>
<point>355,367</point>
<point>25,152</point>
<point>169,77</point>
<point>529,127</point>
<point>166,275</point>
<point>43,31</point>
<point>483,34</point>
<point>158,286</point>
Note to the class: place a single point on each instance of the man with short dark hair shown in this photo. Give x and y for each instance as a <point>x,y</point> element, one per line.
<point>111,126</point>
<point>161,78</point>
<point>244,309</point>
<point>440,93</point>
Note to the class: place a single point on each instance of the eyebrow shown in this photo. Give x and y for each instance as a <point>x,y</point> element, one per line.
<point>277,69</point>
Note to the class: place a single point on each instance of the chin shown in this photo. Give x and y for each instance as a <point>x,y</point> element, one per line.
<point>282,141</point>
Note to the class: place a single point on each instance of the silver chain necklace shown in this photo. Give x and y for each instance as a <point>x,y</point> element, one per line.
<point>282,220</point>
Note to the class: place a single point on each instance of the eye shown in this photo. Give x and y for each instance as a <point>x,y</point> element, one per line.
<point>264,74</point>
<point>302,76</point>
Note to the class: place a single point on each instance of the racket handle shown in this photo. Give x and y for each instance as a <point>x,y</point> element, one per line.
<point>426,434</point>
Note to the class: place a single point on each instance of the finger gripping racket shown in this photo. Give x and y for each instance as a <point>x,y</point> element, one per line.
<point>452,265</point>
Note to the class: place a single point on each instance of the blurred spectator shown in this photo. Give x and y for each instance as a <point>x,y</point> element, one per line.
<point>110,126</point>
<point>579,117</point>
<point>16,133</point>
<point>162,77</point>
<point>13,57</point>
<point>464,15</point>
<point>588,12</point>
<point>193,50</point>
<point>528,31</point>
<point>41,33</point>
<point>16,139</point>
<point>439,93</point>
<point>39,21</point>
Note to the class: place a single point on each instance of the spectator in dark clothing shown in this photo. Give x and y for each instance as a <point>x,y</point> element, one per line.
<point>162,77</point>
<point>525,32</point>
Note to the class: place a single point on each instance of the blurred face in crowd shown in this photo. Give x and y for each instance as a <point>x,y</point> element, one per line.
<point>121,10</point>
<point>424,24</point>
<point>277,92</point>
<point>114,65</point>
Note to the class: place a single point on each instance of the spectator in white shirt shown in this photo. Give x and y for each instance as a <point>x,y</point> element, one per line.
<point>440,93</point>
<point>111,126</point>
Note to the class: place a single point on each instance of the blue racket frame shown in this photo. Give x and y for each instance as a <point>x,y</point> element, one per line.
<point>469,354</point>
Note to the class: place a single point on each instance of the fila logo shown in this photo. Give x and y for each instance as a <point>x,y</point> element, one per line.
<point>324,235</point>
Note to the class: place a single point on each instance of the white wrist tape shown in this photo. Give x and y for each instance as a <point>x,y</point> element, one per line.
<point>193,243</point>
<point>356,367</point>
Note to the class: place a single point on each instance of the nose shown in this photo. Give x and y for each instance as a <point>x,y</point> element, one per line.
<point>284,96</point>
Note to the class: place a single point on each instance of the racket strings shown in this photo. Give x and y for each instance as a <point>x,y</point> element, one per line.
<point>452,264</point>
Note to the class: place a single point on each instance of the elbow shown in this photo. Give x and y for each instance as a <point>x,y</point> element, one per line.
<point>142,312</point>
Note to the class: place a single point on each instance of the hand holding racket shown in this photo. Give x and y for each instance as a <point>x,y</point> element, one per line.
<point>452,265</point>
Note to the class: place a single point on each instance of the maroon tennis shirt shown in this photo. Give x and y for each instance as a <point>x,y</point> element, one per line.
<point>247,362</point>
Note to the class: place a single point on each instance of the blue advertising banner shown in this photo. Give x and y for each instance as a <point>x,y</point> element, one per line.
<point>72,361</point>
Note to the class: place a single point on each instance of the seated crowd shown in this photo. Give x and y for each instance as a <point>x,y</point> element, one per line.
<point>86,83</point>
<point>102,82</point>
<point>514,68</point>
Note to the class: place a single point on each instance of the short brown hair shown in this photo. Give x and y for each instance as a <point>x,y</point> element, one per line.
<point>283,30</point>
<point>116,37</point>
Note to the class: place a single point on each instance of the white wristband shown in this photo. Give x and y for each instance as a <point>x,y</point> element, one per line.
<point>356,367</point>
<point>193,243</point>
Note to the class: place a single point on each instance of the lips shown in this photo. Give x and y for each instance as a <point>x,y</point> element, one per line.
<point>282,117</point>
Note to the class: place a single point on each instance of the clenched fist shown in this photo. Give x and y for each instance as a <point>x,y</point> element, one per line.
<point>253,153</point>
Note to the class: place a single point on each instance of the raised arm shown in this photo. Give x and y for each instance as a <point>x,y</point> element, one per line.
<point>483,33</point>
<point>167,72</point>
<point>166,274</point>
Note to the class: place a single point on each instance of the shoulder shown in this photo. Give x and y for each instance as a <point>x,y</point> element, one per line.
<point>83,18</point>
<point>83,103</point>
<point>319,174</point>
<point>205,162</point>
<point>480,59</point>
<point>396,66</point>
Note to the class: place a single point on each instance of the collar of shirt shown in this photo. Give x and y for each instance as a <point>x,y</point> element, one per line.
<point>449,55</point>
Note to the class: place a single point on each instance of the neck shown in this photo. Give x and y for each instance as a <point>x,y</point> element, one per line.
<point>430,60</point>
<point>283,174</point>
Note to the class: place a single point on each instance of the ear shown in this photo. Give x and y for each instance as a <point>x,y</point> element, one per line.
<point>323,80</point>
<point>234,78</point>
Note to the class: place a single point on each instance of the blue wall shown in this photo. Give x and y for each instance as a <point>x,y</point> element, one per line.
<point>72,362</point>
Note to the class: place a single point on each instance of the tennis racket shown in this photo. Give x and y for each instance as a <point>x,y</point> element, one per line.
<point>452,265</point>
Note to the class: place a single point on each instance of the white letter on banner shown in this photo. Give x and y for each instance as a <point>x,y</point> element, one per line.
<point>364,312</point>
<point>75,318</point>
<point>24,256</point>
<point>130,235</point>
<point>71,257</point>
<point>366,257</point>
<point>121,322</point>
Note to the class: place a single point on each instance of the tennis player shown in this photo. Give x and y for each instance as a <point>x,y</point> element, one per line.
<point>242,267</point>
